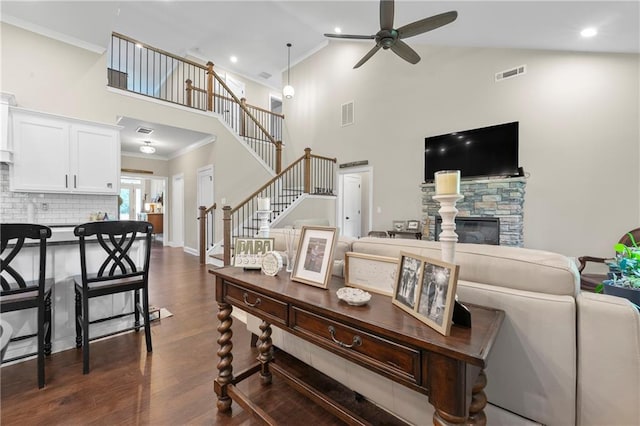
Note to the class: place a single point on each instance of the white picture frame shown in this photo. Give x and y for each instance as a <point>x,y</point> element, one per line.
<point>370,272</point>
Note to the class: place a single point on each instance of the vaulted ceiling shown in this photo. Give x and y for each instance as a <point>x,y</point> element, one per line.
<point>256,32</point>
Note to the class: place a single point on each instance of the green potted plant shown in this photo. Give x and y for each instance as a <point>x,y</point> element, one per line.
<point>624,273</point>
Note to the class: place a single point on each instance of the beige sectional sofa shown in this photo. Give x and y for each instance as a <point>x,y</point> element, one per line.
<point>562,357</point>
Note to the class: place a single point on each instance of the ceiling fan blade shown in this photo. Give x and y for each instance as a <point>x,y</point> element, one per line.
<point>386,14</point>
<point>403,50</point>
<point>351,36</point>
<point>366,57</point>
<point>427,24</point>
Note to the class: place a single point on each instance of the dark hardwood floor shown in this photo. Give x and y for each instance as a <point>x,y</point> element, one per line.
<point>173,385</point>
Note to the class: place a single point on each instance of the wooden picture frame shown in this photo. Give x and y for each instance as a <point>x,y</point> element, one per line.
<point>434,297</point>
<point>314,258</point>
<point>370,272</point>
<point>248,252</point>
<point>413,225</point>
<point>407,282</point>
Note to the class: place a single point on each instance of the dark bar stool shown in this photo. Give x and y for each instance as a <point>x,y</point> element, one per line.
<point>18,294</point>
<point>117,273</point>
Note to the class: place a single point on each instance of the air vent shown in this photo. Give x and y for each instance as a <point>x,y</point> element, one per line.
<point>347,113</point>
<point>265,75</point>
<point>513,72</point>
<point>144,130</point>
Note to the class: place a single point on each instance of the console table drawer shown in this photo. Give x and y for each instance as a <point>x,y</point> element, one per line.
<point>386,357</point>
<point>273,311</point>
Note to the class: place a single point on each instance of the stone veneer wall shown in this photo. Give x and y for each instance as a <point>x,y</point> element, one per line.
<point>71,209</point>
<point>503,198</point>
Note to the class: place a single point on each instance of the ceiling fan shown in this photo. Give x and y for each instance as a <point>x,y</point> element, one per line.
<point>390,38</point>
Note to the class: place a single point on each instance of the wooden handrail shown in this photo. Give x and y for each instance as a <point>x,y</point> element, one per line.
<point>265,110</point>
<point>320,157</point>
<point>263,187</point>
<point>155,49</point>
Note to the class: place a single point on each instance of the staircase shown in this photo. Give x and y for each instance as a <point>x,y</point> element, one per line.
<point>136,67</point>
<point>309,175</point>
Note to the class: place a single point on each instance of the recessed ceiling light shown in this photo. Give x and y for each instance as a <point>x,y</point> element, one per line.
<point>234,59</point>
<point>337,30</point>
<point>588,32</point>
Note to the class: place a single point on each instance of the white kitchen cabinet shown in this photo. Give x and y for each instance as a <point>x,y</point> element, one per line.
<point>58,154</point>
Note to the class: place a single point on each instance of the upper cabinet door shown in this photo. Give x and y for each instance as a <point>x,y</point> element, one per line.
<point>95,159</point>
<point>41,154</point>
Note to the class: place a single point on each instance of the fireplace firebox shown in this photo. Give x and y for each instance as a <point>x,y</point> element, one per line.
<point>476,230</point>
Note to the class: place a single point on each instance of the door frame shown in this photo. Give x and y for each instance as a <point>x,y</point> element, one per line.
<point>173,209</point>
<point>208,168</point>
<point>166,202</point>
<point>340,200</point>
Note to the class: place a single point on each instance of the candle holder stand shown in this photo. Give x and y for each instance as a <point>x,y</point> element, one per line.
<point>263,217</point>
<point>448,239</point>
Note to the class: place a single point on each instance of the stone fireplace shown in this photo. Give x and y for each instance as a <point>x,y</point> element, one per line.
<point>493,198</point>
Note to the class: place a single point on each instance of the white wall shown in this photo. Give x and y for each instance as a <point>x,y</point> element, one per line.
<point>579,129</point>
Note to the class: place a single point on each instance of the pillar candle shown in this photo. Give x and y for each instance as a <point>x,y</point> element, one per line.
<point>447,182</point>
<point>264,204</point>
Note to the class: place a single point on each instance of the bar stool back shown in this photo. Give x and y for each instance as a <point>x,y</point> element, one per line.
<point>20,293</point>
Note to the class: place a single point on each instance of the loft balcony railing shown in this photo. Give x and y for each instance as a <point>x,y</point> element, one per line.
<point>145,70</point>
<point>309,174</point>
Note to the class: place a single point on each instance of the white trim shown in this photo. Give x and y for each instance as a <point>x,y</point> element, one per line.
<point>193,146</point>
<point>171,212</point>
<point>53,34</point>
<point>191,250</point>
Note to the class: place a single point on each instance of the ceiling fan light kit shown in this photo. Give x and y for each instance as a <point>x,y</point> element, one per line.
<point>391,38</point>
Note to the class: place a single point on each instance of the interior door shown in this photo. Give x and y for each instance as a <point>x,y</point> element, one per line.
<point>205,198</point>
<point>352,202</point>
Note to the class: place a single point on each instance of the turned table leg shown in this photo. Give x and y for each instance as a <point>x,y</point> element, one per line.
<point>456,391</point>
<point>266,352</point>
<point>225,369</point>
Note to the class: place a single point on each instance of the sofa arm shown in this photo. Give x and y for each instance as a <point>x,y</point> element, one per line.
<point>608,361</point>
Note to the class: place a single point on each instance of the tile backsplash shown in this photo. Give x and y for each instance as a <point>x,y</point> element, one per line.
<point>49,208</point>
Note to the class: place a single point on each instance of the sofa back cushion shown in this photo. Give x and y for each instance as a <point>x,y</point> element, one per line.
<point>510,267</point>
<point>609,361</point>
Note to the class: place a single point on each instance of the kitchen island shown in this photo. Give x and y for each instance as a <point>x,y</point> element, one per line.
<point>63,263</point>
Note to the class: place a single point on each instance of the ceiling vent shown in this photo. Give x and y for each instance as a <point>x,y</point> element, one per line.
<point>265,75</point>
<point>144,130</point>
<point>347,113</point>
<point>513,72</point>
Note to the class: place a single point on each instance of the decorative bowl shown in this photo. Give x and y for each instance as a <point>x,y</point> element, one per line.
<point>353,296</point>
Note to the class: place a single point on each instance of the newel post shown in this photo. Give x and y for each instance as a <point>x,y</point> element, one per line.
<point>202,223</point>
<point>243,119</point>
<point>226,221</point>
<point>210,86</point>
<point>307,170</point>
<point>278,157</point>
<point>189,94</point>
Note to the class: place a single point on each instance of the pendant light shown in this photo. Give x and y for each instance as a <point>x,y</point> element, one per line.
<point>288,91</point>
<point>147,148</point>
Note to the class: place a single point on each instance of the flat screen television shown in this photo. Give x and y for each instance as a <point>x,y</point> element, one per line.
<point>483,152</point>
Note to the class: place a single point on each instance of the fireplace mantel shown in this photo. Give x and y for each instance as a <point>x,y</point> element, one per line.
<point>500,197</point>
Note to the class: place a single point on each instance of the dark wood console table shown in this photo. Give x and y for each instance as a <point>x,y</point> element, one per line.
<point>377,336</point>
<point>416,234</point>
